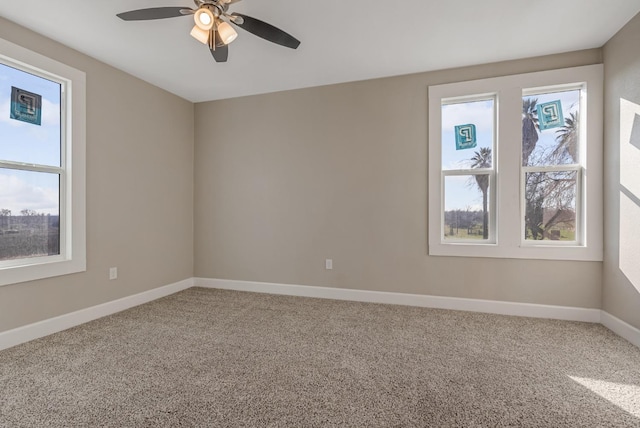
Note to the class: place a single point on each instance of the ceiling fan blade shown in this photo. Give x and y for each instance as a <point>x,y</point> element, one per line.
<point>267,31</point>
<point>152,13</point>
<point>221,53</point>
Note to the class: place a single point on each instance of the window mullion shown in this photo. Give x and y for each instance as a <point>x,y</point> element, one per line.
<point>31,167</point>
<point>509,153</point>
<point>552,168</point>
<point>477,171</point>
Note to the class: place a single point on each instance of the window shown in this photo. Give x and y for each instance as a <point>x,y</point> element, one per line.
<point>468,175</point>
<point>515,166</point>
<point>42,171</point>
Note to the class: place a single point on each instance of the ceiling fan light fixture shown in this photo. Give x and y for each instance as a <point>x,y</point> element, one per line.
<point>204,19</point>
<point>200,35</point>
<point>227,33</point>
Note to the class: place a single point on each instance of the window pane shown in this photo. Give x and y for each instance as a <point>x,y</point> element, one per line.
<point>29,214</point>
<point>466,201</point>
<point>30,129</point>
<point>467,129</point>
<point>550,126</point>
<point>550,212</point>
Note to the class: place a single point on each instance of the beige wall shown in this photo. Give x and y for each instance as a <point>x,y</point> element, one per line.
<point>621,279</point>
<point>139,192</point>
<point>285,180</point>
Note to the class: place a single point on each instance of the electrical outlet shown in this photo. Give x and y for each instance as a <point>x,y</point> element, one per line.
<point>113,273</point>
<point>328,264</point>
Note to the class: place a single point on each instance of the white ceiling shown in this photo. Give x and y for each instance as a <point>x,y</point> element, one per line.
<point>342,41</point>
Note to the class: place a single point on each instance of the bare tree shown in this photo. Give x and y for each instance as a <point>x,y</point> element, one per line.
<point>6,214</point>
<point>550,196</point>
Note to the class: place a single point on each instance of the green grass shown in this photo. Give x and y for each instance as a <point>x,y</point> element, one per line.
<point>24,244</point>
<point>476,233</point>
<point>463,233</point>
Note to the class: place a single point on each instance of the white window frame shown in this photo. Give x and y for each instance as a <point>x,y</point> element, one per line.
<point>72,257</point>
<point>508,187</point>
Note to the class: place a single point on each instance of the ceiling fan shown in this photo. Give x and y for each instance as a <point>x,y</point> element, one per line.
<point>211,26</point>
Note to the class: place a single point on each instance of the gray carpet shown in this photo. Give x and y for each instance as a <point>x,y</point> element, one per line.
<point>229,359</point>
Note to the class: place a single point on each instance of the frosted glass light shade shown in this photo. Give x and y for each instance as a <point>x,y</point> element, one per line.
<point>200,35</point>
<point>227,33</point>
<point>204,19</point>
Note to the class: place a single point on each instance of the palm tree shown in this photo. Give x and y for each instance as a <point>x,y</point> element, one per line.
<point>482,159</point>
<point>567,138</point>
<point>529,128</point>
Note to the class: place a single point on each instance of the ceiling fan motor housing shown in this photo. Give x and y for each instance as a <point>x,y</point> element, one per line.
<point>218,7</point>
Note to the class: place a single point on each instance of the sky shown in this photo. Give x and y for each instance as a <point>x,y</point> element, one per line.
<point>461,192</point>
<point>29,143</point>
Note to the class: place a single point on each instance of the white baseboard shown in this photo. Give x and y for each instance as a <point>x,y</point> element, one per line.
<point>621,328</point>
<point>436,302</point>
<point>40,329</point>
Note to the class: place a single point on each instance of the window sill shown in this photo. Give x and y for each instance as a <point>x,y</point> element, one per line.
<point>48,267</point>
<point>535,252</point>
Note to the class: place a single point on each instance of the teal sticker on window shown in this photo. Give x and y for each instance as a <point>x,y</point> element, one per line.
<point>465,136</point>
<point>26,106</point>
<point>550,115</point>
